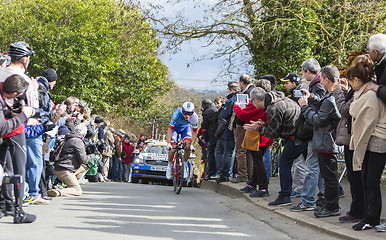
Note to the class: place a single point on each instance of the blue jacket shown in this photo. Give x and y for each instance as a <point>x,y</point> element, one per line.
<point>226,114</point>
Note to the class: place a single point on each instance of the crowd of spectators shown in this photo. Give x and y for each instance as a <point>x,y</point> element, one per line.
<point>325,114</point>
<point>46,149</point>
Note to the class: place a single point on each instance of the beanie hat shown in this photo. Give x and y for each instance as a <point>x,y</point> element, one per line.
<point>50,75</point>
<point>98,119</point>
<point>63,130</point>
<point>272,79</point>
<point>141,135</point>
<point>121,131</point>
<point>206,103</point>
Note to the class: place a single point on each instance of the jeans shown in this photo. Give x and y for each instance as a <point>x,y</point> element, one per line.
<point>126,172</point>
<point>226,163</point>
<point>298,172</point>
<point>116,170</point>
<point>34,165</point>
<point>219,153</point>
<point>312,177</point>
<point>210,164</point>
<point>329,170</point>
<point>289,154</point>
<point>267,162</point>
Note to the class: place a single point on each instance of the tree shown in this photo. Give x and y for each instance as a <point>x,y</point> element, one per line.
<point>276,36</point>
<point>103,50</point>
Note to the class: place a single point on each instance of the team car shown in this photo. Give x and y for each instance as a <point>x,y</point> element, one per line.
<point>152,161</point>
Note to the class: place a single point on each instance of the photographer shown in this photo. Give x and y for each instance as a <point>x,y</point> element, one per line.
<point>12,131</point>
<point>73,163</point>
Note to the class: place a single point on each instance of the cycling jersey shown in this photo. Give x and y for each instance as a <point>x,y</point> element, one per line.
<point>182,126</point>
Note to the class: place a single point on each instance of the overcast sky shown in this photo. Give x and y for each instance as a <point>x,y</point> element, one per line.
<point>183,70</point>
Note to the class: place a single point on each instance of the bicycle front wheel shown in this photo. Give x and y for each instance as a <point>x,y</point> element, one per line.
<point>178,174</point>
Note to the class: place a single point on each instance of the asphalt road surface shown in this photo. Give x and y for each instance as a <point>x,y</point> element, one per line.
<point>143,211</point>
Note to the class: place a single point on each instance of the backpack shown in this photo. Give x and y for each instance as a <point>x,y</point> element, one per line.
<point>56,151</point>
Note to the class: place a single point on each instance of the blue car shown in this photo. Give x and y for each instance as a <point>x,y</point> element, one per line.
<point>152,162</point>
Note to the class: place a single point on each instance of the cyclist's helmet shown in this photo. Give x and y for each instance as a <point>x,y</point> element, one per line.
<point>20,49</point>
<point>187,108</point>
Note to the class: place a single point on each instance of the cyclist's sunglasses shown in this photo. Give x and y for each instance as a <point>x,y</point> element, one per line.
<point>187,113</point>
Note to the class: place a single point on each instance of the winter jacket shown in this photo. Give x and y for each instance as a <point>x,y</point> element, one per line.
<point>44,100</point>
<point>343,102</point>
<point>380,72</point>
<point>325,120</point>
<point>247,90</point>
<point>368,119</point>
<point>221,125</point>
<point>282,114</point>
<point>73,154</point>
<point>118,146</point>
<point>8,126</point>
<point>109,140</point>
<point>251,113</point>
<point>316,88</point>
<point>210,123</point>
<point>128,150</point>
<point>305,130</point>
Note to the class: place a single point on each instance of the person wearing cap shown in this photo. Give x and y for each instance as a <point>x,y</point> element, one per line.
<point>292,83</point>
<point>46,82</point>
<point>116,169</point>
<point>141,139</point>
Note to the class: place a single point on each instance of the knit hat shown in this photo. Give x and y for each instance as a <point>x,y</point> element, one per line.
<point>206,103</point>
<point>121,131</point>
<point>50,75</point>
<point>63,130</point>
<point>141,135</point>
<point>98,119</point>
<point>270,78</point>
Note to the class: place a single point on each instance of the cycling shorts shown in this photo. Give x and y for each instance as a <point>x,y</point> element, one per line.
<point>185,132</point>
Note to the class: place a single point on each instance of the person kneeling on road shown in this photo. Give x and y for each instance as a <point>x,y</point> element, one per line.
<point>73,163</point>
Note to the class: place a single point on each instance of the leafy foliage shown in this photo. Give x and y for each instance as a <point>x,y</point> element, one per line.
<point>278,35</point>
<point>103,50</point>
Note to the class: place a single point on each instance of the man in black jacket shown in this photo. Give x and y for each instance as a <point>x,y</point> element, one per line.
<point>209,124</point>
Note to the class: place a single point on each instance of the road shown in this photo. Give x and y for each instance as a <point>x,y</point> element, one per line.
<point>143,211</point>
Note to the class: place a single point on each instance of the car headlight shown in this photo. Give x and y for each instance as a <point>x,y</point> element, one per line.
<point>138,160</point>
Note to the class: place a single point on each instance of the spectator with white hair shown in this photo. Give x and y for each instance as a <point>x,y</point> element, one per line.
<point>72,164</point>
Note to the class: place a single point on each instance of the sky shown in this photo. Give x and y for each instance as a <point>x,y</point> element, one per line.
<point>183,70</point>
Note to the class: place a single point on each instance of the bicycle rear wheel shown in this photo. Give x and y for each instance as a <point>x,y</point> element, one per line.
<point>178,174</point>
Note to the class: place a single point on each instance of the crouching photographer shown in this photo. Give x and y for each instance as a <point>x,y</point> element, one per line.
<point>12,133</point>
<point>73,163</point>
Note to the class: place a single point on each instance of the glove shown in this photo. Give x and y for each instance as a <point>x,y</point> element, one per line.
<point>169,147</point>
<point>192,148</point>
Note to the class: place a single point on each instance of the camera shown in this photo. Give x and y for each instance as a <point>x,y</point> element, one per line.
<point>15,179</point>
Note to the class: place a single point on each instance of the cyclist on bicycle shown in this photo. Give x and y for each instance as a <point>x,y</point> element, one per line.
<point>180,125</point>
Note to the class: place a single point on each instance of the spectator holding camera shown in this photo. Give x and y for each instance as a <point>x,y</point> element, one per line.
<point>325,120</point>
<point>73,163</point>
<point>14,142</point>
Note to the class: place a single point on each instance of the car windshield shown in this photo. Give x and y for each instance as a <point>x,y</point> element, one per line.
<point>155,149</point>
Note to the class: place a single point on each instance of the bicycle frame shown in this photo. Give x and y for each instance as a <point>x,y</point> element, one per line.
<point>178,168</point>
